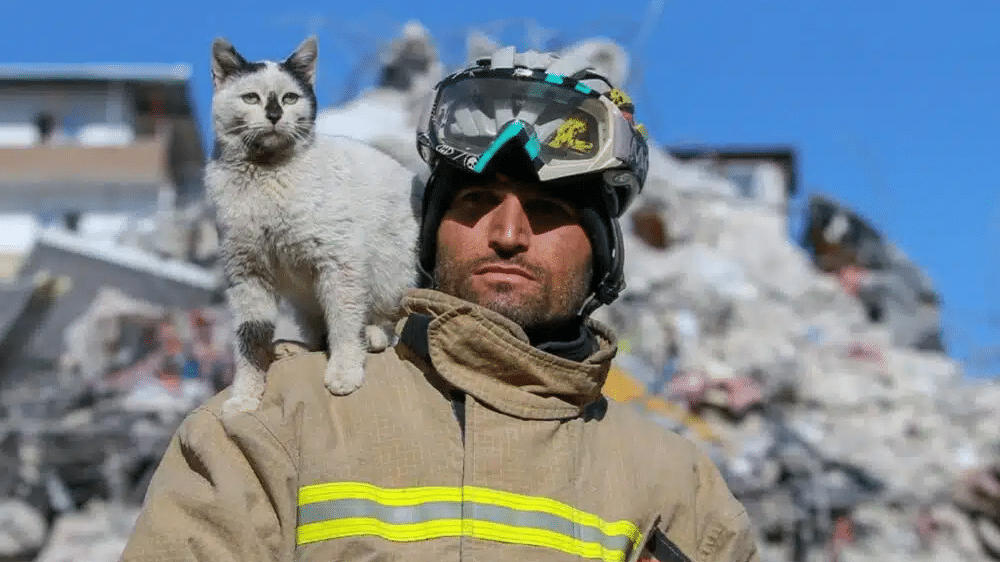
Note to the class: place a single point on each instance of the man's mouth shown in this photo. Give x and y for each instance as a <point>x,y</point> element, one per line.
<point>503,269</point>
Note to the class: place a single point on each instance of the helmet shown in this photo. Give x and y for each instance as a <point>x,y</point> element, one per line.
<point>555,119</point>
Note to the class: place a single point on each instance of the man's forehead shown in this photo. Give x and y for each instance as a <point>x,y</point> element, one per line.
<point>503,184</point>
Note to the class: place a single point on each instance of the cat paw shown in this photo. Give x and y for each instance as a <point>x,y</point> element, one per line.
<point>378,339</point>
<point>344,377</point>
<point>238,404</point>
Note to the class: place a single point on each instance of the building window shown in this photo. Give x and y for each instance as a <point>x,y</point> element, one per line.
<point>743,176</point>
<point>46,125</point>
<point>71,221</point>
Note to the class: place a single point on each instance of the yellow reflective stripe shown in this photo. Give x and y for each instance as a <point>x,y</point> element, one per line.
<point>547,505</point>
<point>499,532</point>
<point>485,530</point>
<point>367,526</point>
<point>449,527</point>
<point>385,496</point>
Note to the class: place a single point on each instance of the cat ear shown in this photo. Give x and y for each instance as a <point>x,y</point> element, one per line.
<point>225,61</point>
<point>303,60</point>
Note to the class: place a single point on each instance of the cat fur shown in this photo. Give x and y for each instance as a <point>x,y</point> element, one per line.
<point>324,222</point>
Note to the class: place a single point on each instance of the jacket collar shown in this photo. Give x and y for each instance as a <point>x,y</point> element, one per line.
<point>488,356</point>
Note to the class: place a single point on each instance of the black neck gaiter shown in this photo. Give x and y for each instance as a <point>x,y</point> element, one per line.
<point>575,343</point>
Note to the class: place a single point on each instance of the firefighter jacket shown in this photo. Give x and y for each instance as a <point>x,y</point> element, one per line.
<point>477,448</point>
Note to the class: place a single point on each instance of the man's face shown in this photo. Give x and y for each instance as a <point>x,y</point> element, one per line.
<point>517,250</point>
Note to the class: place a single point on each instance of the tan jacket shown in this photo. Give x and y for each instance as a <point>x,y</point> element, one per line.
<point>497,453</point>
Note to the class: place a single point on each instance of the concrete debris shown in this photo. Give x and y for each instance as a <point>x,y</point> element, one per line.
<point>811,373</point>
<point>24,305</point>
<point>411,62</point>
<point>91,426</point>
<point>97,533</point>
<point>844,438</point>
<point>893,289</point>
<point>22,528</point>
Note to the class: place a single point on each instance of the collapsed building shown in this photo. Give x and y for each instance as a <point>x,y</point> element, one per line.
<point>109,290</point>
<point>893,290</point>
<point>811,371</point>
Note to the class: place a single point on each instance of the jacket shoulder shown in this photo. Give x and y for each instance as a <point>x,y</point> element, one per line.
<point>700,513</point>
<point>647,440</point>
<point>295,377</point>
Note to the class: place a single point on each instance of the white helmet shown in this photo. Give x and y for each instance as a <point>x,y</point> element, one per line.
<point>574,130</point>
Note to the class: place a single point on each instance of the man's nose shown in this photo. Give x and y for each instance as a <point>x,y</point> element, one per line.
<point>509,227</point>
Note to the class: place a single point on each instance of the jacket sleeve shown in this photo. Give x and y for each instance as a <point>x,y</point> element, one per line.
<point>224,491</point>
<point>723,526</point>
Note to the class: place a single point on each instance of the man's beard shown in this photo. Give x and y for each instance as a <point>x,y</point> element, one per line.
<point>553,306</point>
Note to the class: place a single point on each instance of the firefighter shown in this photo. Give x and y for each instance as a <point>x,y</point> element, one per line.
<point>482,435</point>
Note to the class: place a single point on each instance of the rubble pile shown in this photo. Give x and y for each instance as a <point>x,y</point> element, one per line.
<point>839,438</point>
<point>812,373</point>
<point>80,439</point>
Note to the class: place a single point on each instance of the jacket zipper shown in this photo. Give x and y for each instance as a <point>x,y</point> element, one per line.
<point>458,406</point>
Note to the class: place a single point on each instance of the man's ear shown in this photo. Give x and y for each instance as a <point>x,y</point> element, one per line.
<point>226,61</point>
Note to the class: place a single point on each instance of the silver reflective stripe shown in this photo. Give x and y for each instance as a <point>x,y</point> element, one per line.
<point>547,521</point>
<point>397,515</point>
<point>332,510</point>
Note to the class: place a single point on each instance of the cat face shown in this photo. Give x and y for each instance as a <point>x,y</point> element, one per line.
<point>263,112</point>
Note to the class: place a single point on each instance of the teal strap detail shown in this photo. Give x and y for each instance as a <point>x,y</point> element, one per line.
<point>533,147</point>
<point>507,134</point>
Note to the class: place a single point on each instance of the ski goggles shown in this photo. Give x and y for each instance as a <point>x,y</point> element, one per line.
<point>564,126</point>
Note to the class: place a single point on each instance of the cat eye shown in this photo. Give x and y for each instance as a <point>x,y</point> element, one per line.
<point>251,98</point>
<point>289,98</point>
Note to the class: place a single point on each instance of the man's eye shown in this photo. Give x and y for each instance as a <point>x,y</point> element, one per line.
<point>251,98</point>
<point>547,208</point>
<point>289,98</point>
<point>476,197</point>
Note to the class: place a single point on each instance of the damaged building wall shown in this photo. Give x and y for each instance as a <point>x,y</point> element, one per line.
<point>894,291</point>
<point>90,266</point>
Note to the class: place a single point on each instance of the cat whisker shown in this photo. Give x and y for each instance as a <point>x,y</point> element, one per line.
<point>248,137</point>
<point>235,130</point>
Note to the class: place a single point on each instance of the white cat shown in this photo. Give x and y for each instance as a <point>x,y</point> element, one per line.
<point>325,222</point>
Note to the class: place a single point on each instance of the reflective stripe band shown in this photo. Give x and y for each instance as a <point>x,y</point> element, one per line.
<point>395,515</point>
<point>385,496</point>
<point>346,509</point>
<point>616,539</point>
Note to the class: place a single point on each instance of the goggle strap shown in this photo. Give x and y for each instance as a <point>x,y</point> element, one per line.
<point>568,82</point>
<point>515,131</point>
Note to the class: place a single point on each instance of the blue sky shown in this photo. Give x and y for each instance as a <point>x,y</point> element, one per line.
<point>891,105</point>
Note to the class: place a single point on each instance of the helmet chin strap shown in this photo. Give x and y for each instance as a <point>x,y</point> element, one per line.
<point>603,295</point>
<point>589,306</point>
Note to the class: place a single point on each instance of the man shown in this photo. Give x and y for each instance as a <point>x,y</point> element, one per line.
<point>483,434</point>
